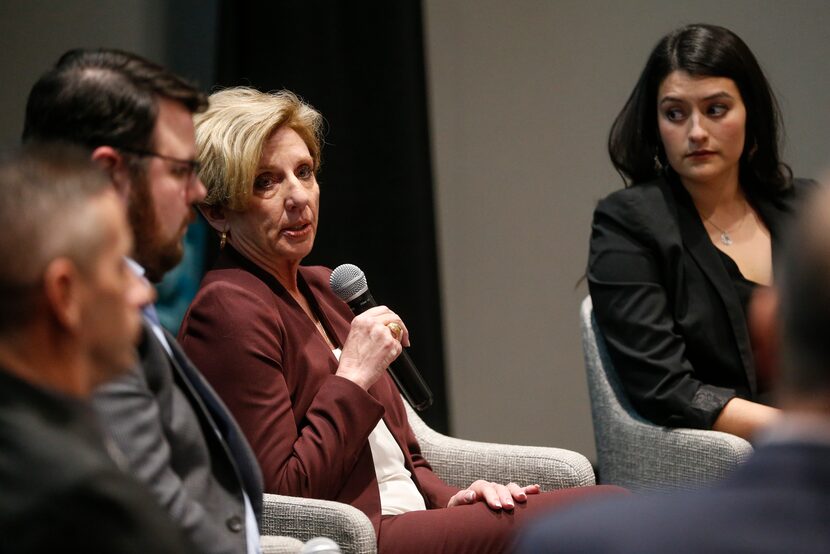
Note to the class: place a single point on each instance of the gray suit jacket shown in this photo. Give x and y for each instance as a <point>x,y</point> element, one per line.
<point>180,440</point>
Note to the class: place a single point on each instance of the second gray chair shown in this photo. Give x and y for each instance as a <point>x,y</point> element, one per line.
<point>637,454</point>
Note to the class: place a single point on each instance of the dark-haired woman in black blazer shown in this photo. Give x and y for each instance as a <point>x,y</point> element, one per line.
<point>677,255</point>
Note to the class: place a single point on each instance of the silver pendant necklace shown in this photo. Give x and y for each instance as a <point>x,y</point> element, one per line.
<point>725,237</point>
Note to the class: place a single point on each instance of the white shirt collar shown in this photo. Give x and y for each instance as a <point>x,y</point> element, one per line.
<point>135,267</point>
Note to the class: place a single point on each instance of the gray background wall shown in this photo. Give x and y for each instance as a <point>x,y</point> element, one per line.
<point>33,34</point>
<point>522,96</point>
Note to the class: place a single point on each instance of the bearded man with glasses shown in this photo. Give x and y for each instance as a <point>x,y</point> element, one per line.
<point>135,118</point>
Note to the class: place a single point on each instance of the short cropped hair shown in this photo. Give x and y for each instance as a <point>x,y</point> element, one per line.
<point>46,191</point>
<point>231,133</point>
<point>702,51</point>
<point>103,97</point>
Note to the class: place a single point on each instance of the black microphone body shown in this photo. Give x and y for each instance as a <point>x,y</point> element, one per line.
<point>403,370</point>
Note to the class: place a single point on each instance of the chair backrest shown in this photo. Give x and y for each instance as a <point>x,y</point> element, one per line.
<point>609,401</point>
<point>636,453</point>
<point>611,410</point>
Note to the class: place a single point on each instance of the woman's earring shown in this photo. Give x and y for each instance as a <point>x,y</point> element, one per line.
<point>658,165</point>
<point>223,239</point>
<point>752,151</point>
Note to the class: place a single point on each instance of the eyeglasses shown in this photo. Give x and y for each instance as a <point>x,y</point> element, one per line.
<point>184,169</point>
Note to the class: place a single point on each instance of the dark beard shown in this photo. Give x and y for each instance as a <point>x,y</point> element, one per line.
<point>149,249</point>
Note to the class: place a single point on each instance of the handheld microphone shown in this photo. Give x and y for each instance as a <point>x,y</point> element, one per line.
<point>349,284</point>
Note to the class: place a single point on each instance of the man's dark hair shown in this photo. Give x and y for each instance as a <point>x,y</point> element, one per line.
<point>103,97</point>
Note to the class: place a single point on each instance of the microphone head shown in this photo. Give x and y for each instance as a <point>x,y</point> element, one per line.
<point>348,282</point>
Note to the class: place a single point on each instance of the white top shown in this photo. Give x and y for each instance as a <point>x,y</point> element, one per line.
<point>149,310</point>
<point>398,493</point>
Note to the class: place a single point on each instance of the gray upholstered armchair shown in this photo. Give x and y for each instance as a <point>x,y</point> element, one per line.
<point>458,462</point>
<point>280,545</point>
<point>637,454</point>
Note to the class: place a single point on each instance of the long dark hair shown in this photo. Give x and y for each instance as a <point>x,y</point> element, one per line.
<point>706,51</point>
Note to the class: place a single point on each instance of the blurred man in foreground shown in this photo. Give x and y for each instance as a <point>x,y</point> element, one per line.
<point>69,320</point>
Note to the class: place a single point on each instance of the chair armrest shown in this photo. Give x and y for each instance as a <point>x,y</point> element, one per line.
<point>459,462</point>
<point>306,518</point>
<point>650,457</point>
<point>722,447</point>
<point>687,458</point>
<point>271,544</point>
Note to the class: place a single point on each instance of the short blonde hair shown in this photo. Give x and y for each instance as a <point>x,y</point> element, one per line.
<point>231,133</point>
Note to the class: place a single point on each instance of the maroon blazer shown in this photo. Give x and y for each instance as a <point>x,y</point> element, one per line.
<point>308,427</point>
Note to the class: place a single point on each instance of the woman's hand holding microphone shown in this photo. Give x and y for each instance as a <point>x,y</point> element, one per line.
<point>375,340</point>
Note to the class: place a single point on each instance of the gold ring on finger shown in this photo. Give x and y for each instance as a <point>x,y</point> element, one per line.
<point>396,330</point>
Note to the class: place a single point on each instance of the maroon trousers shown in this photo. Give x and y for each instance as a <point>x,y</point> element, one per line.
<point>475,527</point>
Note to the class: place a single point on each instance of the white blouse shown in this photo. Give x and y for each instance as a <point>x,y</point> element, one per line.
<point>398,493</point>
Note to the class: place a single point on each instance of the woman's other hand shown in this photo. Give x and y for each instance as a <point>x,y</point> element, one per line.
<point>498,497</point>
<point>745,418</point>
<point>371,346</point>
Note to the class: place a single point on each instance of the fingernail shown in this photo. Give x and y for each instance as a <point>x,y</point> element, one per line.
<point>470,496</point>
<point>522,495</point>
<point>508,505</point>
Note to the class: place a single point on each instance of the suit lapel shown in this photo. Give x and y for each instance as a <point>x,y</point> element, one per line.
<point>700,247</point>
<point>775,213</point>
<point>209,407</point>
<point>317,306</point>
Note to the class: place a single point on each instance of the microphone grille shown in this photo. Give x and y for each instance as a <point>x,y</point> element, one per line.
<point>348,282</point>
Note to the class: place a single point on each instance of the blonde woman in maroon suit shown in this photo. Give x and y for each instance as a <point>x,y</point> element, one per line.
<point>304,378</point>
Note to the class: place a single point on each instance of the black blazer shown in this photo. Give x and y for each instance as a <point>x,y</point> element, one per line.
<point>672,319</point>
